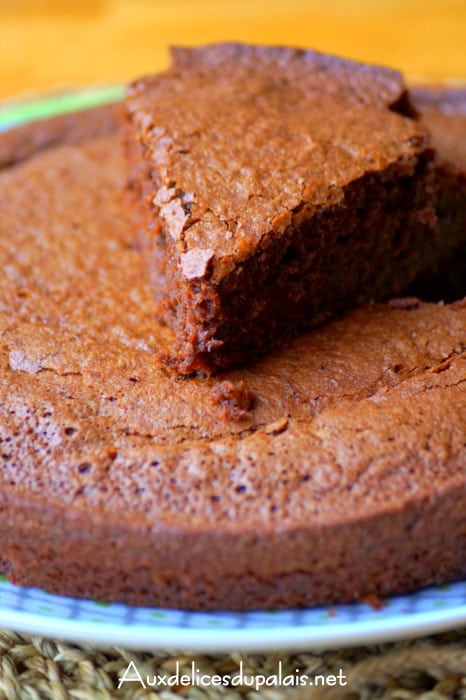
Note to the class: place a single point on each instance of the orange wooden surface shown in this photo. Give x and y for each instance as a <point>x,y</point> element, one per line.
<point>49,44</point>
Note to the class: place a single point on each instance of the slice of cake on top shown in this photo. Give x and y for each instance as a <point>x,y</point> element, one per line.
<point>281,185</point>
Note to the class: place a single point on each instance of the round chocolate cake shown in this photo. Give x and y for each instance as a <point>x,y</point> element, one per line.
<point>330,470</point>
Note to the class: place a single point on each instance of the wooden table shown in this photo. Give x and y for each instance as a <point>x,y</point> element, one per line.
<point>49,44</point>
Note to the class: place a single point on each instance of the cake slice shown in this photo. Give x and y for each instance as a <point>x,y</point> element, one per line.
<point>280,185</point>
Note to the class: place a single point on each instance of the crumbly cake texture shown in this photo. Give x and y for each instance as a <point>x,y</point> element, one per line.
<point>341,475</point>
<point>281,185</point>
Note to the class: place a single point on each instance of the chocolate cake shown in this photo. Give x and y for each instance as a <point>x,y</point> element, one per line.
<point>328,471</point>
<point>281,185</point>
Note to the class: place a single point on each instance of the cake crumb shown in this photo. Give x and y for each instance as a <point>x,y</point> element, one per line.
<point>235,399</point>
<point>277,427</point>
<point>404,304</point>
<point>374,601</point>
<point>195,263</point>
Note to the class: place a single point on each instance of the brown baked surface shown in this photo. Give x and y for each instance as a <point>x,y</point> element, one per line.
<point>328,471</point>
<point>281,185</point>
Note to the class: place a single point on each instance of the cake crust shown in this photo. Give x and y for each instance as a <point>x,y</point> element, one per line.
<point>119,481</point>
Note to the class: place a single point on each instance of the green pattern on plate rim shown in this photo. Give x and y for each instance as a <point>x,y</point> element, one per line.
<point>32,609</point>
<point>18,112</point>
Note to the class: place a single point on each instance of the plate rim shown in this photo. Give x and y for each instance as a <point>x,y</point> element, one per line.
<point>288,637</point>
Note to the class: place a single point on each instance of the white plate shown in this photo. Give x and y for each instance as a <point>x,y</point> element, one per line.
<point>36,612</point>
